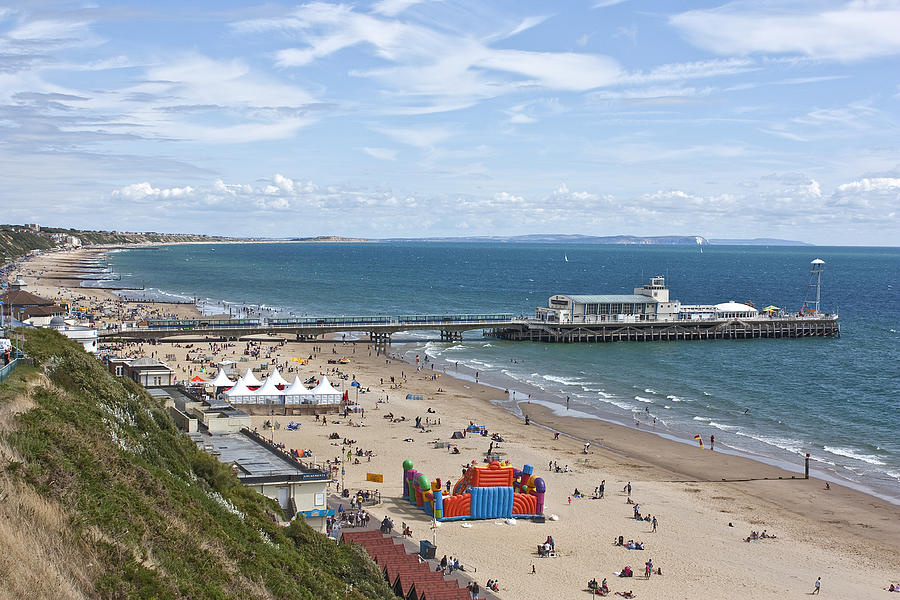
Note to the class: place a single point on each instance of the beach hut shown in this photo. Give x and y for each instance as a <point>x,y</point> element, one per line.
<point>250,380</point>
<point>324,393</point>
<point>277,378</point>
<point>297,393</point>
<point>240,394</point>
<point>269,393</point>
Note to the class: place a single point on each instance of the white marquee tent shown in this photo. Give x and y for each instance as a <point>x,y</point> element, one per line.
<point>269,393</point>
<point>249,379</point>
<point>277,378</point>
<point>240,394</point>
<point>221,380</point>
<point>297,393</point>
<point>324,393</point>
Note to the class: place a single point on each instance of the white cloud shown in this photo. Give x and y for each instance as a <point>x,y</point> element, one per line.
<point>49,31</point>
<point>518,118</point>
<point>393,8</point>
<point>420,137</point>
<point>849,32</point>
<point>835,122</point>
<point>198,79</point>
<point>877,184</point>
<point>427,65</point>
<point>794,199</point>
<point>381,153</point>
<point>143,191</point>
<point>691,70</point>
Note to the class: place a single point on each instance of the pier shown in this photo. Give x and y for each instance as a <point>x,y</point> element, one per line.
<point>378,329</point>
<point>647,315</point>
<point>503,327</point>
<point>650,331</point>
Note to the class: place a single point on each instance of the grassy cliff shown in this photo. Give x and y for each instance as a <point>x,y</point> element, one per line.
<point>14,244</point>
<point>101,497</point>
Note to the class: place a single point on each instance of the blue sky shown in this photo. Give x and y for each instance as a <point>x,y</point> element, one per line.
<point>405,118</point>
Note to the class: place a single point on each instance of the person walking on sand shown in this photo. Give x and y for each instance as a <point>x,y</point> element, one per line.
<point>654,524</point>
<point>532,570</point>
<point>818,585</point>
<point>628,489</point>
<point>602,487</point>
<point>712,442</point>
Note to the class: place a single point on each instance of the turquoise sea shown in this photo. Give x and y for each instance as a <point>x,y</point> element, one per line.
<point>838,399</point>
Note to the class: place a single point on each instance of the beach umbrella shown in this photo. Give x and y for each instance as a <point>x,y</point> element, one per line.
<point>771,308</point>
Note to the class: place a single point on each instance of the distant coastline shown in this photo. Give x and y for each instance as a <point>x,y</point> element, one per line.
<point>757,242</point>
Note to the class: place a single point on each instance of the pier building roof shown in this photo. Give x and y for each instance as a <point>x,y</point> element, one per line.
<point>735,307</point>
<point>610,298</point>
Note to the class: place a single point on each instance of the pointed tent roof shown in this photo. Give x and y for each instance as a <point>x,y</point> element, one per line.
<point>297,389</point>
<point>277,378</point>
<point>249,379</point>
<point>222,380</point>
<point>269,389</point>
<point>239,389</point>
<point>324,387</point>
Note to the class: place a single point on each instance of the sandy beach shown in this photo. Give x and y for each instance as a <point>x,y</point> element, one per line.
<point>706,502</point>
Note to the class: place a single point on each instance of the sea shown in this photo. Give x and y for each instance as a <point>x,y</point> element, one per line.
<point>774,400</point>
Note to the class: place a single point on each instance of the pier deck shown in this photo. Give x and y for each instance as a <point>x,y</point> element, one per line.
<point>656,331</point>
<point>522,330</point>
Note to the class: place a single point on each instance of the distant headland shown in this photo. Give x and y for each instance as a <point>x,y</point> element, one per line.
<point>18,240</point>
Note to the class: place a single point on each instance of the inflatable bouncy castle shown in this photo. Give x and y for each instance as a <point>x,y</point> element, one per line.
<point>495,491</point>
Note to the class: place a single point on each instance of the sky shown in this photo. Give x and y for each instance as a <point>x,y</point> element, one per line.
<point>412,118</point>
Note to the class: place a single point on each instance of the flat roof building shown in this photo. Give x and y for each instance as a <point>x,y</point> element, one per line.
<point>146,371</point>
<point>648,303</point>
<point>274,473</point>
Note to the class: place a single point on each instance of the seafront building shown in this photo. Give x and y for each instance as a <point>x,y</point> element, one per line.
<point>146,371</point>
<point>650,302</point>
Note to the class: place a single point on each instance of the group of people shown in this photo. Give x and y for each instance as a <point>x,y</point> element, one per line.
<point>630,544</point>
<point>755,535</point>
<point>448,565</point>
<point>547,547</point>
<point>600,589</point>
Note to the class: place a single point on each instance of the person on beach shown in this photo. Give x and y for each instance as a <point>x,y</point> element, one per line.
<point>602,487</point>
<point>712,442</point>
<point>818,585</point>
<point>627,489</point>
